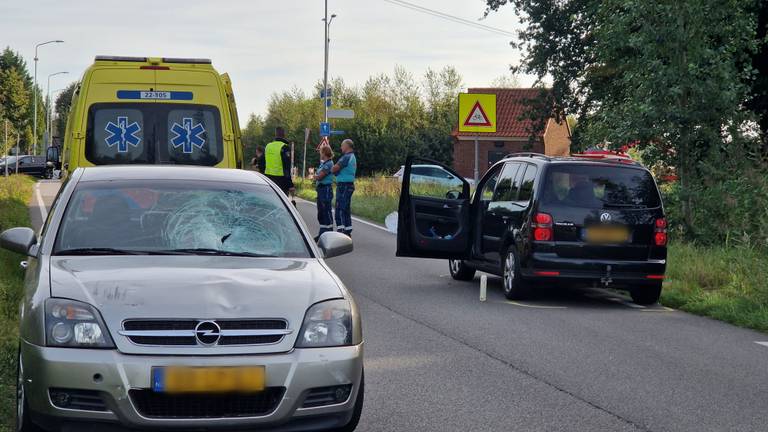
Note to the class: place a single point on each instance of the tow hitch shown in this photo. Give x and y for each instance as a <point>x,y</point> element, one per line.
<point>606,280</point>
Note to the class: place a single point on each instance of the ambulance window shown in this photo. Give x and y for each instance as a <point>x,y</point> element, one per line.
<point>193,137</point>
<point>116,136</point>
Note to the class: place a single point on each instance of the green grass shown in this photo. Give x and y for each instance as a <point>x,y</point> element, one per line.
<point>15,192</point>
<point>725,283</point>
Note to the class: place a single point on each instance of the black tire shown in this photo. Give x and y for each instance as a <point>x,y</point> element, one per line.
<point>515,288</point>
<point>23,418</point>
<point>460,270</point>
<point>352,425</point>
<point>646,294</point>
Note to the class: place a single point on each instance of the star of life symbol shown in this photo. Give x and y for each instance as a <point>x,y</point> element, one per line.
<point>122,134</point>
<point>187,135</point>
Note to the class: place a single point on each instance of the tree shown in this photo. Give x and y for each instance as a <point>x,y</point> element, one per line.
<point>63,104</point>
<point>15,98</point>
<point>506,81</point>
<point>658,74</point>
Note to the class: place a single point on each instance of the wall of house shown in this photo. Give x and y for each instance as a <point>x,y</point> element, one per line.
<point>464,153</point>
<point>557,139</point>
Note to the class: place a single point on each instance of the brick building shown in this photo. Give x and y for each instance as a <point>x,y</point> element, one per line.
<point>512,133</point>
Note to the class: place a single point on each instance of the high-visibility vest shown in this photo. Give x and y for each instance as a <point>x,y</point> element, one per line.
<point>273,158</point>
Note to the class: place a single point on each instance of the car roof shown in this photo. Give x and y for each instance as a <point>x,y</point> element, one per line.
<point>170,172</point>
<point>557,160</point>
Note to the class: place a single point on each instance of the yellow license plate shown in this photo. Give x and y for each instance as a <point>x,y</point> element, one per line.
<point>607,234</point>
<point>181,379</point>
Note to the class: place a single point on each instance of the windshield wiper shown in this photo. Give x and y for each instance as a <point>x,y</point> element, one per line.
<point>209,251</point>
<point>101,251</point>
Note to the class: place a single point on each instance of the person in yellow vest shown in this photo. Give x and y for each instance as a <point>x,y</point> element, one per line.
<point>277,162</point>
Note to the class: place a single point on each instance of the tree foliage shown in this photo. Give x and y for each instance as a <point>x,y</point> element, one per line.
<point>62,105</point>
<point>395,115</point>
<point>16,92</point>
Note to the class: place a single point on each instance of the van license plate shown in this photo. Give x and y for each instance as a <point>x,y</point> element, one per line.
<point>611,234</point>
<point>179,379</point>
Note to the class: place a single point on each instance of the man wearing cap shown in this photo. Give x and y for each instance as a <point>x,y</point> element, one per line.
<point>277,162</point>
<point>345,170</point>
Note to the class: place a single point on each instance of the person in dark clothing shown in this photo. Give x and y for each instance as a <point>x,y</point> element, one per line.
<point>277,162</point>
<point>324,181</point>
<point>257,163</point>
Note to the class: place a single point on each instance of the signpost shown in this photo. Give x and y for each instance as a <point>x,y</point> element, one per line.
<point>477,113</point>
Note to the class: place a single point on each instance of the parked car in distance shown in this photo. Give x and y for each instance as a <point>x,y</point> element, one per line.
<point>537,220</point>
<point>429,173</point>
<point>29,165</point>
<point>183,298</point>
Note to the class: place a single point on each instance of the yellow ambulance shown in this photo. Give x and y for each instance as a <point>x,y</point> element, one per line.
<point>147,110</point>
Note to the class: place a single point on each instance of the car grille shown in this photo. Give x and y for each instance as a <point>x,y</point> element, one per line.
<point>182,332</point>
<point>151,404</point>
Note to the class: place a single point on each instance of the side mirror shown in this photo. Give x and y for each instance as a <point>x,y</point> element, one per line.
<point>19,240</point>
<point>334,244</point>
<point>453,195</point>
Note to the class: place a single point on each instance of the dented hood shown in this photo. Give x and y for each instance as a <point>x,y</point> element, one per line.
<point>194,287</point>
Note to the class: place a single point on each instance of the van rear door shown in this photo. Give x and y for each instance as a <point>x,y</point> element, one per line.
<point>601,210</point>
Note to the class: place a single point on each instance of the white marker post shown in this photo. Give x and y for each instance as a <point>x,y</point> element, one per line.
<point>483,287</point>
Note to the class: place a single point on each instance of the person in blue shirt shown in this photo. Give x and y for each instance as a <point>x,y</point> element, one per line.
<point>345,170</point>
<point>324,186</point>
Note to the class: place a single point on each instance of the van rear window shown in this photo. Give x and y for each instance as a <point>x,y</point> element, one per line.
<point>599,186</point>
<point>154,133</point>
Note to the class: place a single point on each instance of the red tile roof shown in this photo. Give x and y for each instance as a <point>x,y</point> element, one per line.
<point>510,106</point>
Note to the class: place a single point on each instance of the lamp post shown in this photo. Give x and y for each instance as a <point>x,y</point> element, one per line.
<point>34,96</point>
<point>325,71</point>
<point>48,111</point>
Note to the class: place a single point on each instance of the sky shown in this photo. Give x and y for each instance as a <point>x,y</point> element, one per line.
<point>266,46</point>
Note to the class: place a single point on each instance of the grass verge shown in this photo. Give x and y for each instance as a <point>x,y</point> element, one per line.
<point>15,192</point>
<point>725,283</point>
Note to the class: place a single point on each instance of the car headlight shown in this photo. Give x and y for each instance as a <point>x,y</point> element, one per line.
<point>74,324</point>
<point>326,324</point>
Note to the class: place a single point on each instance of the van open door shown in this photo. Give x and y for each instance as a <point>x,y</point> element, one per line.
<point>235,120</point>
<point>433,215</point>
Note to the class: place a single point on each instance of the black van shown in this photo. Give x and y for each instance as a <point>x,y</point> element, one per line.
<point>535,219</point>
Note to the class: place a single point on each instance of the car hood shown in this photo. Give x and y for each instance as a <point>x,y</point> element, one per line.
<point>194,287</point>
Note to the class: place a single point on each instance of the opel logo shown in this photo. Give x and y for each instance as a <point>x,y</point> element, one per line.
<point>207,333</point>
<point>605,217</point>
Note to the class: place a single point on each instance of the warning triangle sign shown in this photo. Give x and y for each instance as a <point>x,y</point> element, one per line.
<point>477,116</point>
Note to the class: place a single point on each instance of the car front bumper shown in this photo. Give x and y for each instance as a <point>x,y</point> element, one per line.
<point>297,371</point>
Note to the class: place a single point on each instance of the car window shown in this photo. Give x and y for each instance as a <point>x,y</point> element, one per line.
<point>506,189</point>
<point>159,216</point>
<point>486,193</point>
<point>417,170</point>
<point>597,186</point>
<point>152,133</point>
<point>526,185</point>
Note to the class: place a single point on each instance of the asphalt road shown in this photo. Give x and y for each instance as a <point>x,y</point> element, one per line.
<point>438,359</point>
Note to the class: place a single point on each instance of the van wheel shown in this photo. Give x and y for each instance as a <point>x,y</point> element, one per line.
<point>460,270</point>
<point>515,288</point>
<point>646,294</point>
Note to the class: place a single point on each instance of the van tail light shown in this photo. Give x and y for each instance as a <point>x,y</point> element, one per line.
<point>542,227</point>
<point>660,232</point>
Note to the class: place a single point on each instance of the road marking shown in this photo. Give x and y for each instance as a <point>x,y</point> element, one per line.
<point>354,218</point>
<point>765,344</point>
<point>40,205</point>
<point>534,306</point>
<point>659,309</point>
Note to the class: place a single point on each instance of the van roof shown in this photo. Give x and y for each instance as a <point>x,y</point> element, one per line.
<point>152,60</point>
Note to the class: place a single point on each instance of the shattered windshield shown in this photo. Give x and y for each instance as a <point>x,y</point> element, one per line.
<point>172,217</point>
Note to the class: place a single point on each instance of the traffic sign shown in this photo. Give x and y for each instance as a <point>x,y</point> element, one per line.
<point>337,132</point>
<point>325,129</point>
<point>477,112</point>
<point>341,113</point>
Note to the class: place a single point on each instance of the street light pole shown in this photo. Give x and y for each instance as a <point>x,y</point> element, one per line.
<point>325,70</point>
<point>48,110</point>
<point>34,96</point>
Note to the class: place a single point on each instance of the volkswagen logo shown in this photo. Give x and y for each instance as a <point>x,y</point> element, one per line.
<point>605,217</point>
<point>207,333</point>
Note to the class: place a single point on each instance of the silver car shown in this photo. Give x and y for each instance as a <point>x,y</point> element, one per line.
<point>162,297</point>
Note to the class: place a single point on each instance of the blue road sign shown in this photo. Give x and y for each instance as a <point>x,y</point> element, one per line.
<point>337,132</point>
<point>325,129</point>
<point>328,102</point>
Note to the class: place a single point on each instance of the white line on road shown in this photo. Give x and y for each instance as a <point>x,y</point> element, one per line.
<point>40,205</point>
<point>765,344</point>
<point>354,218</point>
<point>535,306</point>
